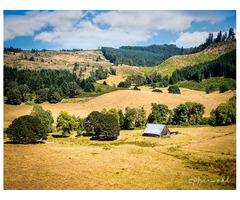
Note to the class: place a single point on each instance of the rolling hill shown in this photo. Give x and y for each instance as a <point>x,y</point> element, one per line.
<point>212,52</point>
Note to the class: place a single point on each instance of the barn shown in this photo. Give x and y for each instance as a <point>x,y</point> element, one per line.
<point>156,130</point>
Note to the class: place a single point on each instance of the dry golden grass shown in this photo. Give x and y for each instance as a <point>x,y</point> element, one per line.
<point>121,99</point>
<point>131,162</point>
<point>55,59</point>
<point>113,80</point>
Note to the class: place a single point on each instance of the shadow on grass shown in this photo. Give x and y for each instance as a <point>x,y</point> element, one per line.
<point>36,142</point>
<point>103,138</point>
<point>59,136</point>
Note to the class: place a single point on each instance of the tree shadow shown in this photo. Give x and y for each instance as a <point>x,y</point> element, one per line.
<point>36,142</point>
<point>60,136</point>
<point>103,138</point>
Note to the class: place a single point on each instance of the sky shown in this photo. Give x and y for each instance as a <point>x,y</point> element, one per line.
<point>90,29</point>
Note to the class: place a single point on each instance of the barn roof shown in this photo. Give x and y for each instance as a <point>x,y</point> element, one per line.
<point>154,129</point>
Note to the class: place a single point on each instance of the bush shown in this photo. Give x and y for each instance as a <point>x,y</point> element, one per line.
<point>42,96</point>
<point>72,89</point>
<point>65,122</point>
<point>205,121</point>
<point>174,90</point>
<point>188,113</point>
<point>26,129</point>
<point>102,126</point>
<point>157,90</point>
<point>159,114</point>
<point>210,89</point>
<point>45,116</point>
<point>223,88</point>
<point>224,114</point>
<point>14,97</point>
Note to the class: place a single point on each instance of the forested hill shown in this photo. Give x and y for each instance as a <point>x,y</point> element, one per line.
<point>212,52</point>
<point>140,55</point>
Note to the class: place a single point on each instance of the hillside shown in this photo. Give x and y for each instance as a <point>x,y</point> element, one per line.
<point>144,56</point>
<point>210,53</point>
<point>56,60</point>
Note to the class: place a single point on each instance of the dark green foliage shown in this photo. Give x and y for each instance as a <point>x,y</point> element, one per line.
<point>76,67</point>
<point>92,123</point>
<point>26,129</point>
<point>136,88</point>
<point>12,49</point>
<point>157,90</point>
<point>102,126</point>
<point>55,81</point>
<point>45,116</point>
<point>24,90</point>
<point>140,55</point>
<point>210,89</point>
<point>54,95</point>
<point>104,83</point>
<point>31,59</point>
<point>153,85</point>
<point>141,119</point>
<point>224,66</point>
<point>188,113</point>
<point>205,121</point>
<point>223,88</point>
<point>112,71</point>
<point>121,119</point>
<point>130,116</point>
<point>231,34</point>
<point>224,114</point>
<point>159,114</point>
<point>125,84</point>
<point>109,127</point>
<point>42,96</point>
<point>99,73</point>
<point>9,85</point>
<point>174,90</point>
<point>89,87</point>
<point>14,96</point>
<point>72,89</point>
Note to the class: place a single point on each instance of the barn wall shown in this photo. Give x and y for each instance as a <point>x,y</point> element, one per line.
<point>165,132</point>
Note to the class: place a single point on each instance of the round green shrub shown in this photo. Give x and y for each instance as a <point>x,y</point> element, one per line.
<point>26,129</point>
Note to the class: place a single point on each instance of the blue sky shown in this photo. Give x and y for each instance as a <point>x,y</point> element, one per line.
<point>92,29</point>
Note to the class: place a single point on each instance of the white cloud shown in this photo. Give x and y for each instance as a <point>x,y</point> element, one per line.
<point>27,25</point>
<point>144,20</point>
<point>81,29</point>
<point>88,36</point>
<point>188,39</point>
<point>191,39</point>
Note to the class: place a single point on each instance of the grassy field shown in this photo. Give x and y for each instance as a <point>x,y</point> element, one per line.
<point>131,162</point>
<point>121,99</point>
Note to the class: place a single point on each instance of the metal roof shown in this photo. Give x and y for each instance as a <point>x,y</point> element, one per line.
<point>154,128</point>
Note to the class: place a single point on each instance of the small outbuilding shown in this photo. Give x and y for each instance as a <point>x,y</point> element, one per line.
<point>156,130</point>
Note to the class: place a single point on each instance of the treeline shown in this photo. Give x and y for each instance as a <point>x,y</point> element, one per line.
<point>106,125</point>
<point>221,37</point>
<point>12,49</point>
<point>140,56</point>
<point>155,54</point>
<point>224,66</point>
<point>152,79</point>
<point>46,85</point>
